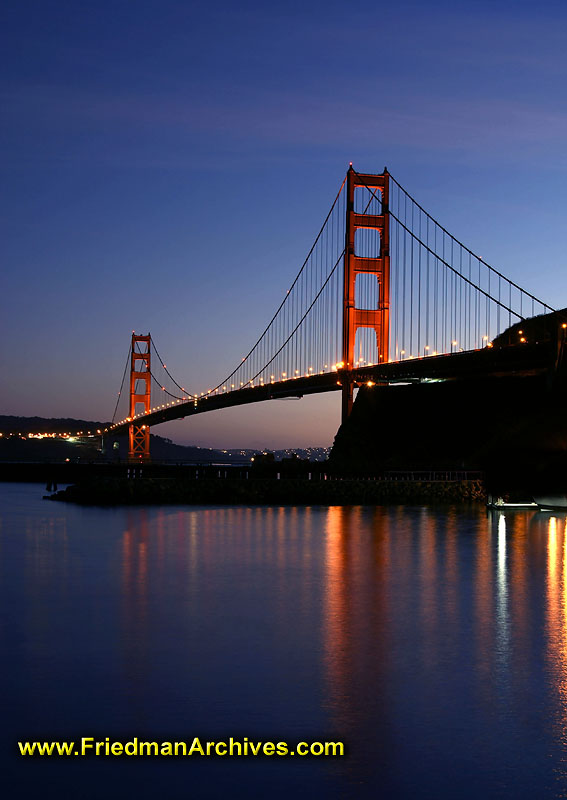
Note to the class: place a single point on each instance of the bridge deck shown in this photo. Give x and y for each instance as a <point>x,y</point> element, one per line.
<point>525,359</point>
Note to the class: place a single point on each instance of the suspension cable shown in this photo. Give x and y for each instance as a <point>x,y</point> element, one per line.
<point>454,238</point>
<point>337,262</point>
<point>442,260</point>
<point>122,384</point>
<point>262,335</point>
<point>169,373</point>
<point>159,383</point>
<point>288,292</point>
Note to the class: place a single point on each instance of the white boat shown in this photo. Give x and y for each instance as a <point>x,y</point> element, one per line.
<point>554,502</point>
<point>512,506</point>
<point>500,504</point>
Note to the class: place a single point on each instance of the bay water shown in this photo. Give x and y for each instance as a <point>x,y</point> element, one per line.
<point>431,641</point>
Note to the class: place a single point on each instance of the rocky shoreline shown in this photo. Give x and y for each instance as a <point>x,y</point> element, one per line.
<point>262,491</point>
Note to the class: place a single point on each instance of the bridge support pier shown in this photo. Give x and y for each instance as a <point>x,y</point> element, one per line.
<point>379,266</point>
<point>140,394</point>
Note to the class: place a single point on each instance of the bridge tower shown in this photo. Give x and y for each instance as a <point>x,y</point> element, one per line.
<point>379,265</point>
<point>139,432</point>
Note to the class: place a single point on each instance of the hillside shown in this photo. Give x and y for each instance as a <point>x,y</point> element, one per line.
<point>19,441</point>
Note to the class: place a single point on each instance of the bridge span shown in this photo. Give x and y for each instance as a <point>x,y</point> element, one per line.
<point>522,360</point>
<point>385,295</point>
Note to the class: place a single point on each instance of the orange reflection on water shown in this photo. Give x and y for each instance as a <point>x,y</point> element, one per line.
<point>336,606</point>
<point>484,602</point>
<point>521,552</point>
<point>557,614</point>
<point>356,586</point>
<point>428,586</point>
<point>451,572</point>
<point>135,595</point>
<point>135,558</point>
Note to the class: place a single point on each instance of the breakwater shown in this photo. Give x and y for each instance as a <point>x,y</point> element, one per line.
<point>265,491</point>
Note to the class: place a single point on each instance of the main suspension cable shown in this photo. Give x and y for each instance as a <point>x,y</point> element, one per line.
<point>443,261</point>
<point>464,246</point>
<point>122,384</point>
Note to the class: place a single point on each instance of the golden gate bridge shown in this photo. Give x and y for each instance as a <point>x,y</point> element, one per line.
<point>386,294</point>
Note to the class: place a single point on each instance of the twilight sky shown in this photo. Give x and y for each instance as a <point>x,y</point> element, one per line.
<point>166,166</point>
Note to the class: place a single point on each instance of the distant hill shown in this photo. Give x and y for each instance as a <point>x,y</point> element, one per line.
<point>16,444</point>
<point>9,424</point>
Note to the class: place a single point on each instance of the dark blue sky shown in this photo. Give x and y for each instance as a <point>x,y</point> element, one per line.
<point>166,166</point>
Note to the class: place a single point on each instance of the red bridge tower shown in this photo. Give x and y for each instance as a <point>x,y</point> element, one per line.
<point>139,432</point>
<point>353,317</point>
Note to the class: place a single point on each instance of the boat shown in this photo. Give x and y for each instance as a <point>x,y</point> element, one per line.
<point>555,502</point>
<point>501,505</point>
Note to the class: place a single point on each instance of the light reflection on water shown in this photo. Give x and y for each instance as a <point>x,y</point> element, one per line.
<point>432,640</point>
<point>557,626</point>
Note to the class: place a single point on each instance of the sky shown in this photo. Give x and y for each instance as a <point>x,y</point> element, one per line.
<point>167,165</point>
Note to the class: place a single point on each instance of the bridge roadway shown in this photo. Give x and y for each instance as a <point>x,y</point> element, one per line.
<point>525,359</point>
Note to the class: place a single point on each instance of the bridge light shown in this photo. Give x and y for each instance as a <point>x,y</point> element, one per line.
<point>232,385</point>
<point>490,344</point>
<point>520,332</point>
<point>370,383</point>
<point>564,325</point>
<point>297,372</point>
<point>284,374</point>
<point>522,339</point>
<point>454,342</point>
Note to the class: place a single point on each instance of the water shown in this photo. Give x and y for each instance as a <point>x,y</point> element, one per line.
<point>432,641</point>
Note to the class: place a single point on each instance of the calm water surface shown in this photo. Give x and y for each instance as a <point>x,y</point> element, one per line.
<point>433,641</point>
